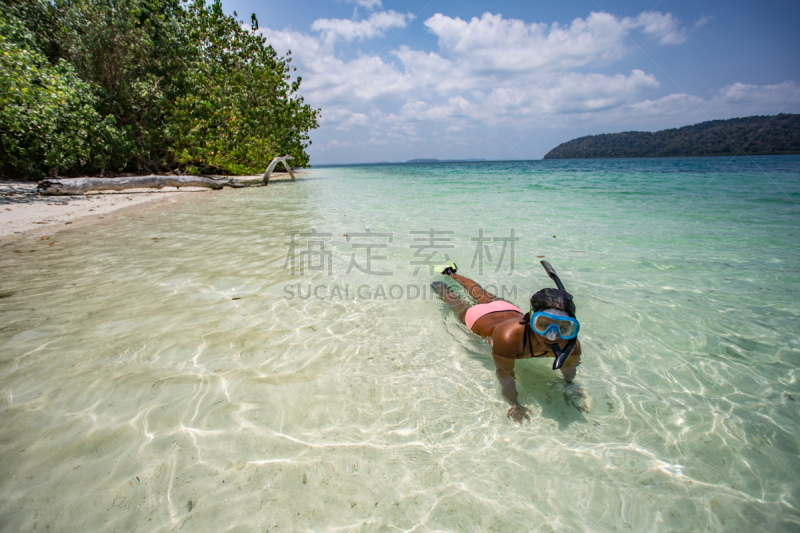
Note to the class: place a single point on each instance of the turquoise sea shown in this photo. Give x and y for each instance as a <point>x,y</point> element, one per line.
<point>271,359</point>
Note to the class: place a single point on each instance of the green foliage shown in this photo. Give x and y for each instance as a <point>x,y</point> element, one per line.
<point>136,55</point>
<point>142,85</point>
<point>240,109</point>
<point>48,120</point>
<point>760,135</point>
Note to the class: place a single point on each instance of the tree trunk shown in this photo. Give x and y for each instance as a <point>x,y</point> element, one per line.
<point>73,186</point>
<point>271,167</point>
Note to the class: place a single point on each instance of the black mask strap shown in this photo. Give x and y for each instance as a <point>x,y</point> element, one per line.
<point>524,323</point>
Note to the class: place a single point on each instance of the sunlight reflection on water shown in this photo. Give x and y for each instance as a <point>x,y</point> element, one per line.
<point>138,394</point>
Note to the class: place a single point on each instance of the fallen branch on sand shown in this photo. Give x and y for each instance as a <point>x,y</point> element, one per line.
<point>71,186</point>
<point>273,164</point>
<point>74,186</point>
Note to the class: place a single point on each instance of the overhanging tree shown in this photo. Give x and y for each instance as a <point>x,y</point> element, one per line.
<point>148,85</point>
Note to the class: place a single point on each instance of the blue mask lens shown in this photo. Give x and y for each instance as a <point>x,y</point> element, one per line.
<point>550,325</point>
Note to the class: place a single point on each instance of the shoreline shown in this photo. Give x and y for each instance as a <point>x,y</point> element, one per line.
<point>25,214</point>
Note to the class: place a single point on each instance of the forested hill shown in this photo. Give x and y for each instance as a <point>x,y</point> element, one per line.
<point>760,135</point>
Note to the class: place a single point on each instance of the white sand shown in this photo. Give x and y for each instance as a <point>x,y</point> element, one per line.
<point>24,212</point>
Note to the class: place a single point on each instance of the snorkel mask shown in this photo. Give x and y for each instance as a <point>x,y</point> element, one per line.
<point>552,323</point>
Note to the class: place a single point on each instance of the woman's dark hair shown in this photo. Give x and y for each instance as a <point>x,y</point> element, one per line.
<point>551,299</point>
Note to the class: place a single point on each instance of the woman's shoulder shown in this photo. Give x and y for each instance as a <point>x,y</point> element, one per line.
<point>507,338</point>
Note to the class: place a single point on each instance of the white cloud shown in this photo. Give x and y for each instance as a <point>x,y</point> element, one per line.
<point>739,99</point>
<point>329,80</point>
<point>492,43</point>
<point>495,44</point>
<point>702,21</point>
<point>490,54</point>
<point>354,120</point>
<point>361,29</point>
<point>492,74</point>
<point>571,93</point>
<point>655,25</point>
<point>369,4</point>
<point>680,109</point>
<point>743,94</point>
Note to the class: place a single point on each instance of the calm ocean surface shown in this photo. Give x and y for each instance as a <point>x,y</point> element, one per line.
<point>273,360</point>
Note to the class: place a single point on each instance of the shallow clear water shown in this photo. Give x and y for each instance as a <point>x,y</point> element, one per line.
<point>132,383</point>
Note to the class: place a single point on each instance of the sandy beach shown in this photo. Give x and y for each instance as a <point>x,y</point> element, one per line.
<point>24,213</point>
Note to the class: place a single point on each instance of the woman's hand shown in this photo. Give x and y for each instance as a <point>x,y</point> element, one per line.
<point>576,396</point>
<point>518,414</point>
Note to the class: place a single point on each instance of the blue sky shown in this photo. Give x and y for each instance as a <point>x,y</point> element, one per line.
<point>511,80</point>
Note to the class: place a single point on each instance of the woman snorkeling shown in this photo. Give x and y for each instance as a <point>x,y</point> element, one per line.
<point>549,329</point>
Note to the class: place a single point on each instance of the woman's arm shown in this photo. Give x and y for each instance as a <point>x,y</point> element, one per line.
<point>505,374</point>
<point>572,393</point>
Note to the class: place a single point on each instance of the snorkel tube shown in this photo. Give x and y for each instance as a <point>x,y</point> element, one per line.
<point>561,355</point>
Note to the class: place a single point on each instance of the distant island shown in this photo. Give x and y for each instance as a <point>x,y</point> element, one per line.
<point>410,161</point>
<point>443,160</point>
<point>759,135</point>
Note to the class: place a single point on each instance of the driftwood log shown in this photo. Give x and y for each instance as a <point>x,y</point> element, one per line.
<point>73,186</point>
<point>271,167</point>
